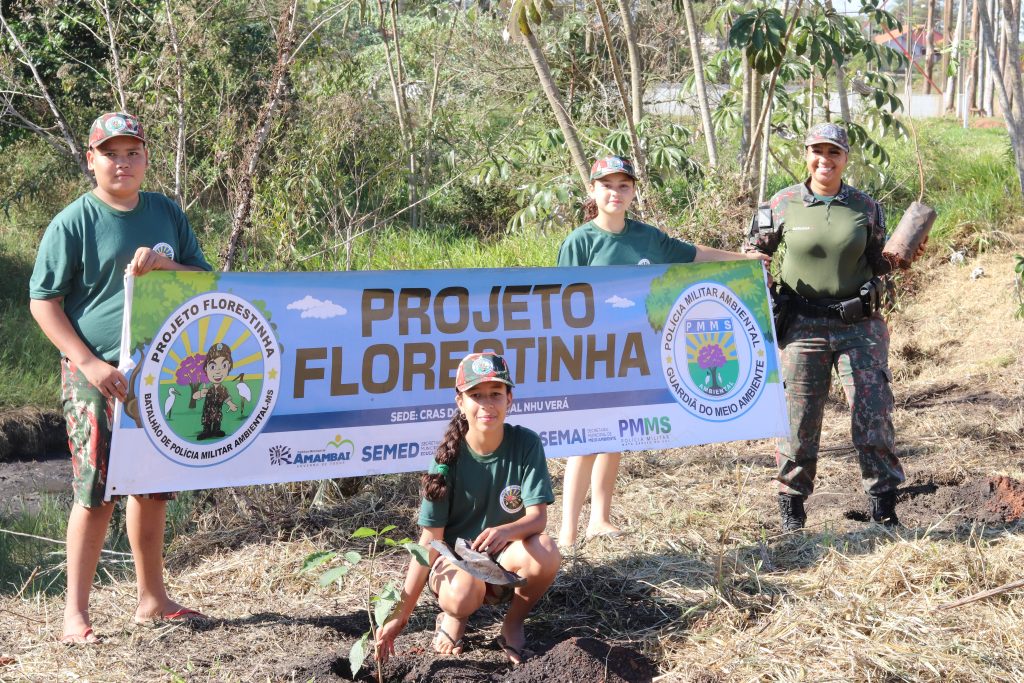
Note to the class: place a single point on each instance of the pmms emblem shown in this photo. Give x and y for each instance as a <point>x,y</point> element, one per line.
<point>713,353</point>
<point>210,380</point>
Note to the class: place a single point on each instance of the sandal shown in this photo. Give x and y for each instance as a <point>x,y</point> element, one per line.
<point>439,630</point>
<point>184,614</point>
<point>522,654</point>
<point>86,637</point>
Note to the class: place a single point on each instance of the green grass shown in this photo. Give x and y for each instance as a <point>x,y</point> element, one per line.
<point>37,565</point>
<point>29,370</point>
<point>970,181</point>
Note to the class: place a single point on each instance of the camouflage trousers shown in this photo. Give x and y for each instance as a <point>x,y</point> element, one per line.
<point>859,353</point>
<point>88,415</point>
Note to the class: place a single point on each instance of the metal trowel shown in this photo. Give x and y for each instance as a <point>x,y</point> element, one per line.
<point>478,565</point>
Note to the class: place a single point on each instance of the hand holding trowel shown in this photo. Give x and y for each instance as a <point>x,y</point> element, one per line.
<point>476,564</point>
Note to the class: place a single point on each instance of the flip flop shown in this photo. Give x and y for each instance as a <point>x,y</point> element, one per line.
<point>439,630</point>
<point>86,637</point>
<point>522,653</point>
<point>182,615</point>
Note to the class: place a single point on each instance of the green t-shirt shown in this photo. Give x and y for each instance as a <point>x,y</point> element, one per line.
<point>488,491</point>
<point>85,250</point>
<point>637,244</point>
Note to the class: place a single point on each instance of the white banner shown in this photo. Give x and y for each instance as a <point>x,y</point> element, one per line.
<point>256,378</point>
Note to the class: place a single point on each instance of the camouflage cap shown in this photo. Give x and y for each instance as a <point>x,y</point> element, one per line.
<point>830,133</point>
<point>477,368</point>
<point>115,125</point>
<point>609,165</point>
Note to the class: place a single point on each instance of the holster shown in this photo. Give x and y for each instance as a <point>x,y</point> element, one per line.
<point>871,296</point>
<point>783,310</point>
<point>851,310</point>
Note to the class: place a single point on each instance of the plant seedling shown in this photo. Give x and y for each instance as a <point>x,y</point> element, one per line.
<point>379,607</point>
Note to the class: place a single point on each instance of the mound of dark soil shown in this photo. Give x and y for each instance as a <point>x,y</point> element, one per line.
<point>577,660</point>
<point>995,500</point>
<point>30,432</point>
<point>585,660</point>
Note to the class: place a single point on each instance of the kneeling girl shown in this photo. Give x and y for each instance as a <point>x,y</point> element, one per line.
<point>489,484</point>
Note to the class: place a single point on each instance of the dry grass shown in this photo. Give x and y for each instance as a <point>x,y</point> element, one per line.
<point>705,584</point>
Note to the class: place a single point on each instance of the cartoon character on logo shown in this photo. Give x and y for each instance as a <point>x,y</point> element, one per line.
<point>218,365</point>
<point>511,499</point>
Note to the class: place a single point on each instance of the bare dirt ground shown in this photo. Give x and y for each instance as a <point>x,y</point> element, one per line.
<point>705,588</point>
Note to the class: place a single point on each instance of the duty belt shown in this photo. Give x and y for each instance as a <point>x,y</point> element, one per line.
<point>818,308</point>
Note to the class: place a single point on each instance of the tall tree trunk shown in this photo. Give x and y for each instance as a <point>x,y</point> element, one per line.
<point>929,46</point>
<point>244,186</point>
<point>762,178</point>
<point>702,88</point>
<point>396,74</point>
<point>115,57</point>
<point>810,100</point>
<point>760,127</point>
<point>972,64</point>
<point>947,38</point>
<point>1003,51</point>
<point>180,179</point>
<point>636,76</point>
<point>954,82</point>
<point>988,94</point>
<point>756,99</point>
<point>844,97</point>
<point>547,84</point>
<point>627,111</point>
<point>841,90</point>
<point>1013,124</point>
<point>1011,29</point>
<point>746,107</point>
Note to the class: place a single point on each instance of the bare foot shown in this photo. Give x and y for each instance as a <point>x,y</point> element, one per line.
<point>605,529</point>
<point>169,610</point>
<point>566,539</point>
<point>448,632</point>
<point>77,629</point>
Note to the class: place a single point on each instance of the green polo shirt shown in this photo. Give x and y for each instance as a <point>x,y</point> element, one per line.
<point>637,244</point>
<point>491,490</point>
<point>832,245</point>
<point>84,253</point>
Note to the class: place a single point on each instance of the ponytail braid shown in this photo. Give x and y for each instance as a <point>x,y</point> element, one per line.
<point>435,486</point>
<point>589,209</point>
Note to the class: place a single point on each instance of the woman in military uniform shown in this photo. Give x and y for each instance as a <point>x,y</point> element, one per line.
<point>833,236</point>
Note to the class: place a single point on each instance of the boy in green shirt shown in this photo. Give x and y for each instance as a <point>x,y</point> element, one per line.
<point>77,298</point>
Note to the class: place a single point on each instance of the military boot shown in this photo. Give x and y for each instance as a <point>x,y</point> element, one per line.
<point>883,509</point>
<point>791,509</point>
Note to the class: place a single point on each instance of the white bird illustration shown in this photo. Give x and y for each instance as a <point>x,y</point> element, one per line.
<point>244,392</point>
<point>707,377</point>
<point>169,401</point>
